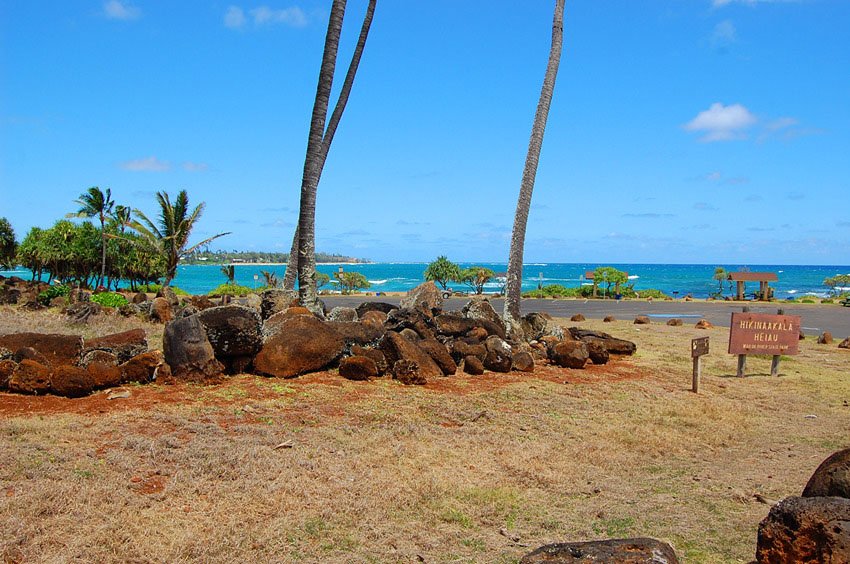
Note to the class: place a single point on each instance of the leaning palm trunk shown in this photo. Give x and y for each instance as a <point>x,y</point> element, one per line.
<point>318,145</point>
<point>513,284</point>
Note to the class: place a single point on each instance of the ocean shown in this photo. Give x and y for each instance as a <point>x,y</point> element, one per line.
<point>672,279</point>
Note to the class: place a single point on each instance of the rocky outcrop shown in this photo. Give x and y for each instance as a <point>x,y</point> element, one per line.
<point>832,477</point>
<point>395,348</point>
<point>805,530</point>
<point>613,551</point>
<point>300,344</point>
<point>58,349</point>
<point>124,345</point>
<point>188,351</point>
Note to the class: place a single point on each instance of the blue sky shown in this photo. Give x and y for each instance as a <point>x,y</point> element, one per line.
<point>686,131</point>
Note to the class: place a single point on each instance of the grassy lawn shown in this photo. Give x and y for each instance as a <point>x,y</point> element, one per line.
<point>465,469</point>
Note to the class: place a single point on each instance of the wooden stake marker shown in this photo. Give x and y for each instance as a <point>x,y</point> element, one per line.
<point>699,348</point>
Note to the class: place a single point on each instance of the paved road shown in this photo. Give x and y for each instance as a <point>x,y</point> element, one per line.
<point>815,318</point>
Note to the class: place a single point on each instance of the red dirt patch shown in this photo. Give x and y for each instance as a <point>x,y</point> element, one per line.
<point>243,389</point>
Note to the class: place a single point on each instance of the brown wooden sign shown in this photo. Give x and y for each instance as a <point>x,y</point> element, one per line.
<point>699,347</point>
<point>761,333</point>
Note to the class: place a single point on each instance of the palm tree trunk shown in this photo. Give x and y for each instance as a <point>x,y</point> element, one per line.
<point>318,146</point>
<point>291,273</point>
<point>513,285</point>
<point>102,254</point>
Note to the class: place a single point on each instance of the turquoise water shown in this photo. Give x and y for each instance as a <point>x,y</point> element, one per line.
<point>681,279</point>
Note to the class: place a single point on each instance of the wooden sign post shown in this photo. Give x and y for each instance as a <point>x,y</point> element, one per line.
<point>699,348</point>
<point>761,333</point>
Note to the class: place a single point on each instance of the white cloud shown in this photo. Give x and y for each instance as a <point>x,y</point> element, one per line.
<point>195,167</point>
<point>714,176</point>
<point>234,18</point>
<point>120,10</point>
<point>724,34</point>
<point>722,123</point>
<point>150,164</point>
<point>781,123</point>
<point>294,16</point>
<point>721,3</point>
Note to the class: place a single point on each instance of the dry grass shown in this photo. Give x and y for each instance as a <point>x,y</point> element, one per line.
<point>378,472</point>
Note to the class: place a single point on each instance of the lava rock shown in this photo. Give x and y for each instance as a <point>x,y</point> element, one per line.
<point>188,351</point>
<point>58,349</point>
<point>124,345</point>
<point>570,354</point>
<point>612,551</point>
<point>472,365</point>
<point>30,377</point>
<point>300,344</point>
<point>832,477</point>
<point>805,530</point>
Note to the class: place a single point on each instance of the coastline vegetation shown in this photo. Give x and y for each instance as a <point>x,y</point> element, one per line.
<point>261,257</point>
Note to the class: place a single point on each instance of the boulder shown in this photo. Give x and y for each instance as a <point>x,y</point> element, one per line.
<point>7,368</point>
<point>597,352</point>
<point>358,333</point>
<point>439,354</point>
<point>805,530</point>
<point>845,344</point>
<point>395,348</point>
<point>377,357</point>
<point>59,349</point>
<point>612,551</point>
<point>299,345</point>
<point>30,377</point>
<point>481,309</point>
<point>413,319</point>
<point>124,345</point>
<point>275,301</point>
<point>570,354</point>
<point>143,368</point>
<point>703,324</point>
<point>161,310</point>
<point>674,322</point>
<point>374,317</point>
<point>233,331</point>
<point>30,353</point>
<point>168,294</point>
<point>539,325</point>
<point>609,319</point>
<point>71,381</point>
<point>462,349</point>
<point>104,375</point>
<point>642,320</point>
<point>499,357</point>
<point>341,313</point>
<point>188,351</point>
<point>832,477</point>
<point>273,323</point>
<point>425,298</point>
<point>825,338</point>
<point>578,317</point>
<point>100,356</point>
<point>477,334</point>
<point>201,302</point>
<point>612,344</point>
<point>407,372</point>
<point>253,301</point>
<point>453,325</point>
<point>410,335</point>
<point>472,365</point>
<point>139,298</point>
<point>382,307</point>
<point>522,361</point>
<point>358,368</point>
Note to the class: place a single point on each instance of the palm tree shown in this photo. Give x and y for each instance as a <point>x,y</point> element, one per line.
<point>302,258</point>
<point>230,271</point>
<point>94,203</point>
<point>513,284</point>
<point>170,234</point>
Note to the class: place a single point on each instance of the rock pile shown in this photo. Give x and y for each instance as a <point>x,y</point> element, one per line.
<point>68,365</point>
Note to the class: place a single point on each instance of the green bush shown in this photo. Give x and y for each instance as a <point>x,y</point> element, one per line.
<point>109,299</point>
<point>559,291</point>
<point>46,296</point>
<point>645,293</point>
<point>828,301</point>
<point>807,301</point>
<point>231,290</point>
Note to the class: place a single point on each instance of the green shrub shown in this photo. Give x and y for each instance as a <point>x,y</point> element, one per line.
<point>231,290</point>
<point>807,301</point>
<point>827,301</point>
<point>109,299</point>
<point>645,293</point>
<point>46,296</point>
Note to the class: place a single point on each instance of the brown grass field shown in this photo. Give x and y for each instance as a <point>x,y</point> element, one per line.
<point>464,469</point>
